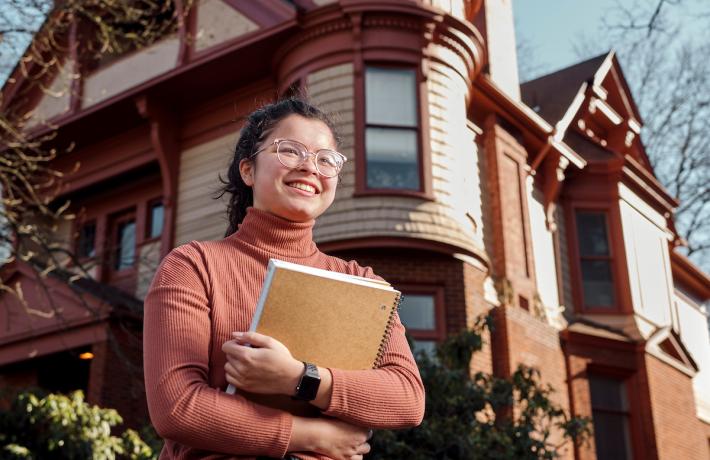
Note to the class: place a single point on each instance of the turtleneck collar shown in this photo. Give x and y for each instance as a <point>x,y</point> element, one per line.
<point>276,235</point>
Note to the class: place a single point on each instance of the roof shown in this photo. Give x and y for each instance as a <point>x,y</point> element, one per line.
<point>551,95</point>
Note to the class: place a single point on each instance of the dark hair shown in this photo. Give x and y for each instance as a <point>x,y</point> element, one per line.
<point>257,127</point>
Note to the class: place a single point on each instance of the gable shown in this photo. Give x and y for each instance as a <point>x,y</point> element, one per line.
<point>666,345</point>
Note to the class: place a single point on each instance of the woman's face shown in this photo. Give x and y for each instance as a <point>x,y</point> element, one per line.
<point>274,185</point>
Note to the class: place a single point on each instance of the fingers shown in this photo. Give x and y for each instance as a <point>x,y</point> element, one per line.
<point>363,448</point>
<point>254,339</point>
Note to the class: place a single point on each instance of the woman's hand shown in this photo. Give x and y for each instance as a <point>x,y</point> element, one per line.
<point>330,437</point>
<point>266,366</point>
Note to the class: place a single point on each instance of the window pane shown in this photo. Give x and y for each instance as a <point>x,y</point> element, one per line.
<point>611,436</point>
<point>156,220</point>
<point>591,228</point>
<point>425,346</point>
<point>608,393</point>
<point>390,96</point>
<point>125,245</point>
<point>610,417</point>
<point>392,158</point>
<point>597,283</point>
<point>417,312</point>
<point>87,237</point>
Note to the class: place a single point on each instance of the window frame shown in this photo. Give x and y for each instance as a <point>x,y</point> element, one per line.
<point>114,221</point>
<point>78,227</point>
<point>616,256</point>
<point>423,155</point>
<point>437,292</point>
<point>149,221</point>
<point>632,406</point>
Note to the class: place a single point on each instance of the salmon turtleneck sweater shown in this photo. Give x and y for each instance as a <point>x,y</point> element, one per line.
<point>201,293</point>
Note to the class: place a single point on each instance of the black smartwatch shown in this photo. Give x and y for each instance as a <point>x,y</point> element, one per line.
<point>307,387</point>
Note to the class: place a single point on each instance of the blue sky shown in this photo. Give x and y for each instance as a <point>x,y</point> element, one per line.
<point>552,29</point>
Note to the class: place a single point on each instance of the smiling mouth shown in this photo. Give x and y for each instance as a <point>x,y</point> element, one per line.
<point>304,187</point>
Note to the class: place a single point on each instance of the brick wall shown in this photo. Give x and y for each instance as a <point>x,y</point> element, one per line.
<point>521,338</point>
<point>679,433</point>
<point>508,233</point>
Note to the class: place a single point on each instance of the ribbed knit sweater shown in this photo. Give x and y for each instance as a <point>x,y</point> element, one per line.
<point>201,293</point>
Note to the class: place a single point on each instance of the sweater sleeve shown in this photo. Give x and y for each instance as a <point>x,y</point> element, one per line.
<point>389,397</point>
<point>182,406</point>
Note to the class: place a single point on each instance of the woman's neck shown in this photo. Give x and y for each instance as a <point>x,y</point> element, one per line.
<point>276,234</point>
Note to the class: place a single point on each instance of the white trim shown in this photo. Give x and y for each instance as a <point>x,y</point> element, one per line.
<point>606,110</point>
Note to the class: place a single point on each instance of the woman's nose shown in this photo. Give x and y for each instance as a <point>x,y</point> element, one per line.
<point>310,164</point>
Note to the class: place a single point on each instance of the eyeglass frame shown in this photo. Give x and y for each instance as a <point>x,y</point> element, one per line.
<point>305,149</point>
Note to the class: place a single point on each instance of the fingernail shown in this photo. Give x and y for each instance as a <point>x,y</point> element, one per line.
<point>237,334</point>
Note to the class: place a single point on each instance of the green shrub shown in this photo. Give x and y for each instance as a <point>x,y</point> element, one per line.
<point>479,417</point>
<point>60,426</point>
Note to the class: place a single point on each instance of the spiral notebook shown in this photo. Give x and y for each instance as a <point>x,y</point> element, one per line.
<point>327,318</point>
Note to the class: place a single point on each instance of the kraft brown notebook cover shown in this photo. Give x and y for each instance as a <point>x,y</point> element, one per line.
<point>327,318</point>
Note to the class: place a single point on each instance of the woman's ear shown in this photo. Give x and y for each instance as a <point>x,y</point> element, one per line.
<point>246,170</point>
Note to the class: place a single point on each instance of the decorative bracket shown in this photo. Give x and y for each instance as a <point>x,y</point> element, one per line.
<point>163,129</point>
<point>554,174</point>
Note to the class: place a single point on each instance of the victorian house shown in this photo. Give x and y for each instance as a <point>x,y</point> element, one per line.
<point>468,191</point>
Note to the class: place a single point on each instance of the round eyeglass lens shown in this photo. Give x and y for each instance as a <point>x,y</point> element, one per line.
<point>290,154</point>
<point>293,155</point>
<point>328,163</point>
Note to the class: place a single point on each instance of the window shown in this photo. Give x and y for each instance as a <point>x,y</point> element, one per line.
<point>155,219</point>
<point>86,243</point>
<point>124,242</point>
<point>595,260</point>
<point>418,313</point>
<point>392,129</point>
<point>610,415</point>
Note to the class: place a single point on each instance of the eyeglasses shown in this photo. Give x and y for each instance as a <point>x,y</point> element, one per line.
<point>293,154</point>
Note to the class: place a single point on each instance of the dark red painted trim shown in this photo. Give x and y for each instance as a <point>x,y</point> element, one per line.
<point>439,332</point>
<point>77,85</point>
<point>164,130</point>
<point>185,21</point>
<point>399,242</point>
<point>690,276</point>
<point>619,272</point>
<point>209,55</point>
<point>424,151</point>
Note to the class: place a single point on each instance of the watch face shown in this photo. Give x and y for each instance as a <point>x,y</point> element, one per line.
<point>308,386</point>
<point>312,371</point>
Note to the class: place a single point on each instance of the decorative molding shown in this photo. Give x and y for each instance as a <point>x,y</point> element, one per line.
<point>163,136</point>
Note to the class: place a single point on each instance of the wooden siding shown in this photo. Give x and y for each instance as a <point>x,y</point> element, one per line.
<point>454,217</point>
<point>56,98</point>
<point>199,215</point>
<point>454,8</point>
<point>131,70</point>
<point>218,22</point>
<point>148,261</point>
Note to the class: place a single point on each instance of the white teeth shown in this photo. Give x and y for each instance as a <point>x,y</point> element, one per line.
<point>303,187</point>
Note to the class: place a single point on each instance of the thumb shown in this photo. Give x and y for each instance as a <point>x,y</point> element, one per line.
<point>254,339</point>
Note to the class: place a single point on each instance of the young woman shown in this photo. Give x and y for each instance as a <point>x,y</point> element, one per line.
<point>283,176</point>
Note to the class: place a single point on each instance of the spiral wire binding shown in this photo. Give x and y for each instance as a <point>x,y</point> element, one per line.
<point>388,330</point>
